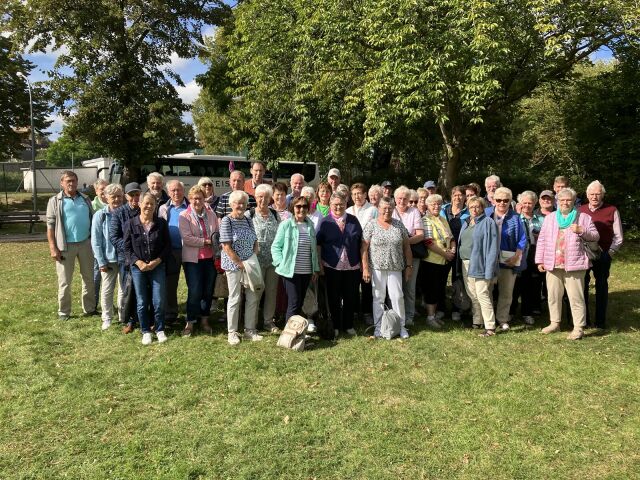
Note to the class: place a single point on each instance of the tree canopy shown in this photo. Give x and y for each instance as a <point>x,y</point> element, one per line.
<point>112,81</point>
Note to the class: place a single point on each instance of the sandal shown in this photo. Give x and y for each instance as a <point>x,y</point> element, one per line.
<point>488,333</point>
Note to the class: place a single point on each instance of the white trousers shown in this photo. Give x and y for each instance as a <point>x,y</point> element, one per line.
<point>233,305</point>
<point>383,281</point>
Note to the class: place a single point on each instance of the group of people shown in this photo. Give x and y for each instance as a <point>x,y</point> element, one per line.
<point>376,248</point>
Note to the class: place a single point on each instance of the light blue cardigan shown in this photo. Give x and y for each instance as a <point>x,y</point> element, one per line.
<point>285,247</point>
<point>485,249</point>
<point>103,249</point>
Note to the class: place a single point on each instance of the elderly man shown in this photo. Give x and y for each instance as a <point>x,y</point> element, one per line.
<point>491,184</point>
<point>333,179</point>
<point>387,189</point>
<point>559,183</point>
<point>607,221</point>
<point>155,186</point>
<point>236,182</point>
<point>171,211</point>
<point>257,178</point>
<point>119,218</point>
<point>430,186</point>
<point>297,184</point>
<point>69,215</point>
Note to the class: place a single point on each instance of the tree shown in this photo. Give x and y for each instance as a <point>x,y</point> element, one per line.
<point>119,96</point>
<point>389,68</point>
<point>65,150</point>
<point>14,101</point>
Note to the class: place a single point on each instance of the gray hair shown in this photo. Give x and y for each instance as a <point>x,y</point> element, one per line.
<point>492,178</point>
<point>388,200</point>
<point>503,191</point>
<point>238,195</point>
<point>375,188</point>
<point>297,175</point>
<point>156,175</point>
<point>148,195</point>
<point>343,189</point>
<point>528,193</point>
<point>308,192</point>
<point>100,182</point>
<point>401,190</point>
<point>596,184</point>
<point>173,182</point>
<point>265,189</point>
<point>113,189</point>
<point>339,195</point>
<point>239,172</point>
<point>567,192</point>
<point>433,198</point>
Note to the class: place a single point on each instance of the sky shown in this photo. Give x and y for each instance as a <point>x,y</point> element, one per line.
<point>187,68</point>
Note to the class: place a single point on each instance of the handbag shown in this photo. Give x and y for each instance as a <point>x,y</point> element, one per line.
<point>390,324</point>
<point>221,288</point>
<point>418,250</point>
<point>591,249</point>
<point>293,336</point>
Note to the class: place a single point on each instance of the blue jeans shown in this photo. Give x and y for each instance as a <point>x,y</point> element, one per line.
<point>154,281</point>
<point>600,269</point>
<point>296,288</point>
<point>201,277</point>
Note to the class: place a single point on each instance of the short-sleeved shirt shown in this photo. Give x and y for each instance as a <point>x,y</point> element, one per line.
<point>224,207</point>
<point>411,219</point>
<point>386,250</point>
<point>265,229</point>
<point>242,236</point>
<point>77,218</point>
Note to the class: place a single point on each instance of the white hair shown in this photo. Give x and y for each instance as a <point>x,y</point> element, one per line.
<point>596,184</point>
<point>492,178</point>
<point>401,191</point>
<point>113,189</point>
<point>567,192</point>
<point>156,175</point>
<point>238,195</point>
<point>434,198</point>
<point>503,191</point>
<point>308,192</point>
<point>528,193</point>
<point>297,175</point>
<point>173,182</point>
<point>375,188</point>
<point>264,188</point>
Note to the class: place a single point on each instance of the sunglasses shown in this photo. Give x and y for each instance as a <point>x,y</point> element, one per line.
<point>413,201</point>
<point>300,207</point>
<point>501,200</point>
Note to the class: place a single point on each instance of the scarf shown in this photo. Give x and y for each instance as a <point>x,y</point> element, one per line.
<point>341,220</point>
<point>206,233</point>
<point>564,222</point>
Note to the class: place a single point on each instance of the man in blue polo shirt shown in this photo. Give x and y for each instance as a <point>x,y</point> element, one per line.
<point>69,216</point>
<point>170,211</point>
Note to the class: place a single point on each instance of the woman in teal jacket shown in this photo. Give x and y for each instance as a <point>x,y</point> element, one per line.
<point>295,255</point>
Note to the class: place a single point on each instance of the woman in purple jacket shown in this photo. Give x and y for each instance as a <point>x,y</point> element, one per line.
<point>560,252</point>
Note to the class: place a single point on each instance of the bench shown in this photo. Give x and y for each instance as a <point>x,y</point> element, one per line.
<point>20,217</point>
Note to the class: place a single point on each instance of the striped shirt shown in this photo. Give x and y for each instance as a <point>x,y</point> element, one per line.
<point>303,257</point>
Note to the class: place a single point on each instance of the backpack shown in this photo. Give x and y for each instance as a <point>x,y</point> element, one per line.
<point>390,324</point>
<point>293,335</point>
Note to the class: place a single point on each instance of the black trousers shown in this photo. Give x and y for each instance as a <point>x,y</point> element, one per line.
<point>342,295</point>
<point>296,288</point>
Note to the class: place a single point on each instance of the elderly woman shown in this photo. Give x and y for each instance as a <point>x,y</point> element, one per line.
<point>339,238</point>
<point>561,254</point>
<point>386,254</point>
<point>295,256</point>
<point>239,242</point>
<point>265,223</point>
<point>314,215</point>
<point>147,245</point>
<point>375,194</point>
<point>547,204</point>
<point>198,226</point>
<point>513,241</point>
<point>478,247</point>
<point>210,196</point>
<point>412,220</point>
<point>104,252</point>
<point>529,282</point>
<point>435,266</point>
<point>280,200</point>
<point>423,194</point>
<point>323,194</point>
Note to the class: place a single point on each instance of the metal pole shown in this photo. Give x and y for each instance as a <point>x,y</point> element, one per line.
<point>33,144</point>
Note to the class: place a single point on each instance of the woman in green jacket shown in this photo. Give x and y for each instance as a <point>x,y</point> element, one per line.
<point>295,255</point>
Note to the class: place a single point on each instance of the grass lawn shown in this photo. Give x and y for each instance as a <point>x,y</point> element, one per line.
<point>79,403</point>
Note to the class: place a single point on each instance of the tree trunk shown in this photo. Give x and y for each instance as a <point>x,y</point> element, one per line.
<point>450,159</point>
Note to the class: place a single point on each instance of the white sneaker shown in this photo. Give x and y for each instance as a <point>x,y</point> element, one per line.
<point>456,317</point>
<point>106,324</point>
<point>505,327</point>
<point>252,335</point>
<point>161,337</point>
<point>233,338</point>
<point>146,339</point>
<point>351,331</point>
<point>529,320</point>
<point>431,322</point>
<point>404,334</point>
<point>312,328</point>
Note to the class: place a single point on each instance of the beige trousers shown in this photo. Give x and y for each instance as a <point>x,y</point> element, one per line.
<point>573,282</point>
<point>479,291</point>
<point>506,282</point>
<point>83,252</point>
<point>233,305</point>
<point>270,278</point>
<point>108,286</point>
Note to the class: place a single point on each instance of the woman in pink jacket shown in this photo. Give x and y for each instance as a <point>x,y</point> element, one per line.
<point>560,252</point>
<point>199,230</point>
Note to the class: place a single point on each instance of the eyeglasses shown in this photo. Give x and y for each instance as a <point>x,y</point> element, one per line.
<point>501,200</point>
<point>413,201</point>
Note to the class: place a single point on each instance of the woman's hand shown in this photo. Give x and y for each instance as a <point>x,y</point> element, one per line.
<point>240,265</point>
<point>577,229</point>
<point>143,267</point>
<point>366,275</point>
<point>541,268</point>
<point>449,255</point>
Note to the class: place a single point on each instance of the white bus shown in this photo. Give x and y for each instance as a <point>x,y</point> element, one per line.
<point>189,168</point>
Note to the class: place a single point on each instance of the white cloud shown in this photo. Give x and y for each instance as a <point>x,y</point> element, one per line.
<point>209,31</point>
<point>176,63</point>
<point>189,92</point>
<point>56,127</point>
<point>49,51</point>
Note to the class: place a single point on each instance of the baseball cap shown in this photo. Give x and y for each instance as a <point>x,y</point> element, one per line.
<point>132,187</point>
<point>547,193</point>
<point>387,183</point>
<point>430,184</point>
<point>334,172</point>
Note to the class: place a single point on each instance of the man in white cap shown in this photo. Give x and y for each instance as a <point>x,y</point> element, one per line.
<point>334,179</point>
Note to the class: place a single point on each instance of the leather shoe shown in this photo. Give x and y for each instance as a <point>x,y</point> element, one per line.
<point>128,328</point>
